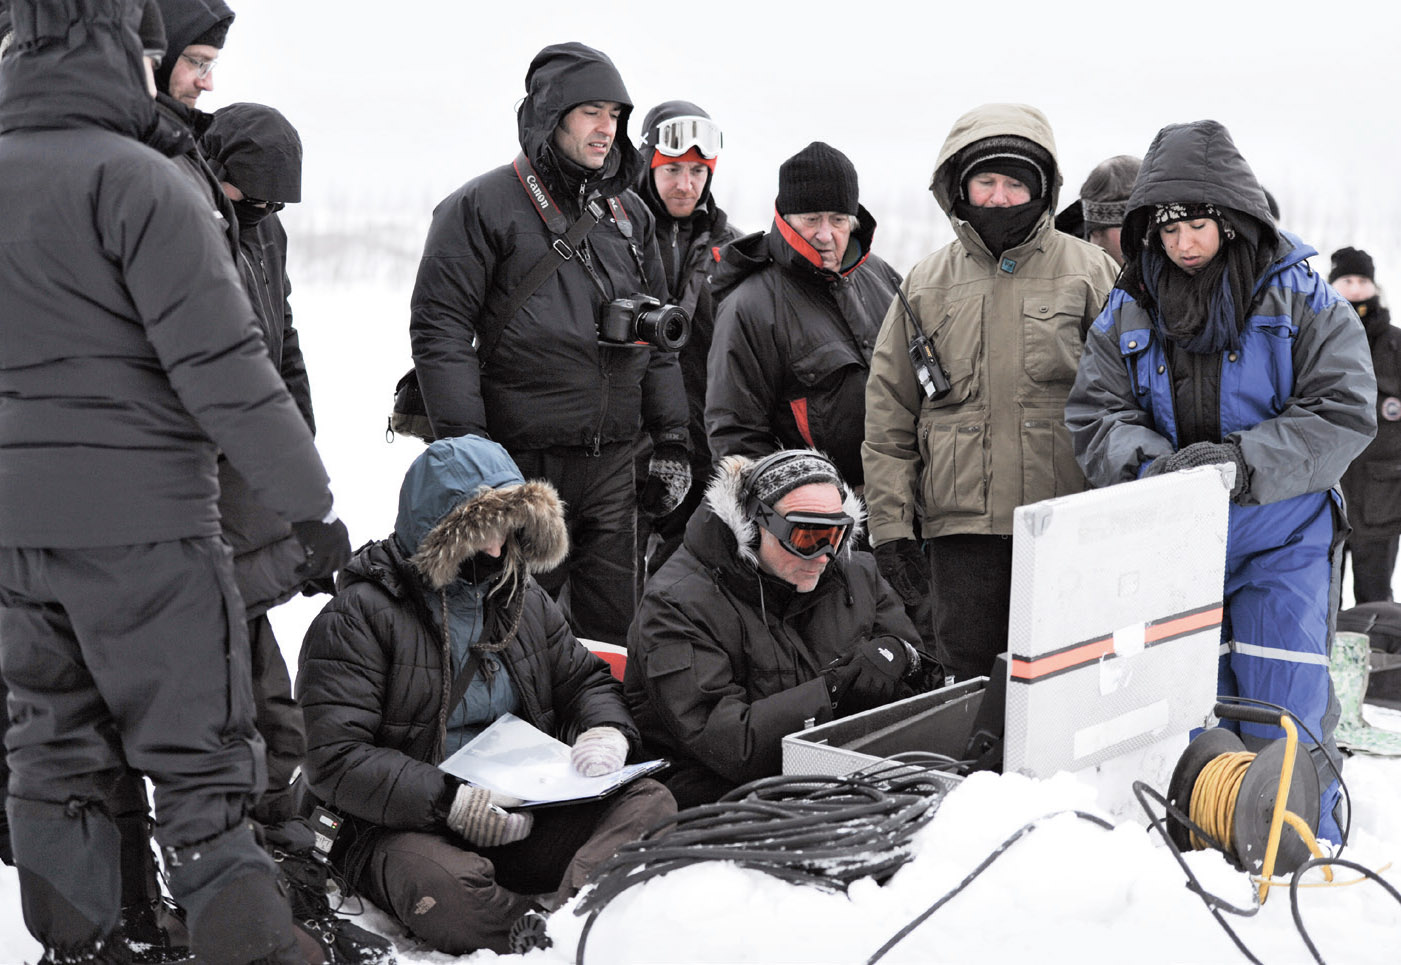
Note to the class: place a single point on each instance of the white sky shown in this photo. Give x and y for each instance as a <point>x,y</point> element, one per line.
<point>400,103</point>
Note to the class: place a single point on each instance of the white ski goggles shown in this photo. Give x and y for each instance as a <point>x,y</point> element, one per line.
<point>677,135</point>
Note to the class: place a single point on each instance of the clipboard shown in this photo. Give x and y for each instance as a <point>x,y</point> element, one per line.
<point>514,758</point>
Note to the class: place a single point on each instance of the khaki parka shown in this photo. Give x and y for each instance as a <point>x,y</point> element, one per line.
<point>1009,332</point>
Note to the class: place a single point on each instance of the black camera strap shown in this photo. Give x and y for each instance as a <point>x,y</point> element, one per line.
<point>562,249</point>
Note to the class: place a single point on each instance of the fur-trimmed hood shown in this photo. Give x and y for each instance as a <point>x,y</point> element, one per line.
<point>459,495</point>
<point>723,497</point>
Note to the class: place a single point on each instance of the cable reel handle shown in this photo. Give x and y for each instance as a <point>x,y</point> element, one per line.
<point>1247,714</point>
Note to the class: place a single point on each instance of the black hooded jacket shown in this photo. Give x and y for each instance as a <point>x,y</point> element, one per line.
<point>1195,163</point>
<point>689,248</point>
<point>549,382</point>
<point>185,21</point>
<point>1372,484</point>
<point>254,148</point>
<point>793,345</point>
<point>129,354</point>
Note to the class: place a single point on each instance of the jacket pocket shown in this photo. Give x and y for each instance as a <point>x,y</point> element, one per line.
<point>669,659</point>
<point>1381,496</point>
<point>955,474</point>
<point>830,414</point>
<point>1048,457</point>
<point>958,340</point>
<point>1051,341</point>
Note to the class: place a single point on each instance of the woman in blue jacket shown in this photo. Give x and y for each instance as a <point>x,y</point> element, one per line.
<point>1219,344</point>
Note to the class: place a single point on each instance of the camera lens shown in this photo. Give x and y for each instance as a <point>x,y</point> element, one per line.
<point>666,327</point>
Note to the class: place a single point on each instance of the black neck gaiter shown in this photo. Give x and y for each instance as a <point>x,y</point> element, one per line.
<point>1002,228</point>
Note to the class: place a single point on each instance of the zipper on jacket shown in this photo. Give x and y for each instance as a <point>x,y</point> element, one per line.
<point>596,443</point>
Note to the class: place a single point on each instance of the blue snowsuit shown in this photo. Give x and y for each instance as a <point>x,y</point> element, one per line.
<point>1296,397</point>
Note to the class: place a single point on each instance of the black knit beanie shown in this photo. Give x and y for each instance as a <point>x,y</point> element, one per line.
<point>817,178</point>
<point>775,476</point>
<point>1351,261</point>
<point>1007,154</point>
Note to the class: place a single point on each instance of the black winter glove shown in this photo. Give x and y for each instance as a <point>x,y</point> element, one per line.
<point>668,480</point>
<point>1205,454</point>
<point>869,676</point>
<point>903,564</point>
<point>327,546</point>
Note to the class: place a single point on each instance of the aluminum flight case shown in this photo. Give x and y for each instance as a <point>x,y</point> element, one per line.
<point>940,721</point>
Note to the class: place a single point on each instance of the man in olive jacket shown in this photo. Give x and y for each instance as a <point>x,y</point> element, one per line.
<point>766,617</point>
<point>1005,306</point>
<point>131,358</point>
<point>565,402</point>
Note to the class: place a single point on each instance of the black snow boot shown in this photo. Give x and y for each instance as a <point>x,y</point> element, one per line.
<point>109,952</point>
<point>528,933</point>
<point>306,875</point>
<point>154,933</point>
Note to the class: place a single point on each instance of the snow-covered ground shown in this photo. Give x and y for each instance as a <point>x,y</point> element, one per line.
<point>1068,891</point>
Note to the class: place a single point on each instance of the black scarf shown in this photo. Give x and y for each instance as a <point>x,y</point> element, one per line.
<point>1002,228</point>
<point>250,215</point>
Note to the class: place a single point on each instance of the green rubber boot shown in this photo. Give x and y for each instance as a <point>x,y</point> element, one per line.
<point>1349,666</point>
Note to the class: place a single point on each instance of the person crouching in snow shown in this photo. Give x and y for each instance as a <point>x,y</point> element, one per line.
<point>454,586</point>
<point>1219,344</point>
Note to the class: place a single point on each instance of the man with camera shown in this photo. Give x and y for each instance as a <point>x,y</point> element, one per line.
<point>765,618</point>
<point>531,324</point>
<point>801,308</point>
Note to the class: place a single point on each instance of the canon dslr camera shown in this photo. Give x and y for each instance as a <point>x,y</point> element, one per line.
<point>643,319</point>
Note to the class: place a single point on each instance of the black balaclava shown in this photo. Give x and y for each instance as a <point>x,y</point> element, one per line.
<point>1016,157</point>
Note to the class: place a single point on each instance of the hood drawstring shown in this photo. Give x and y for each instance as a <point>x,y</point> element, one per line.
<point>443,709</point>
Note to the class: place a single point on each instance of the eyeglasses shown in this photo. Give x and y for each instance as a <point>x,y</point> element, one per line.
<point>805,535</point>
<point>678,135</point>
<point>273,206</point>
<point>203,68</point>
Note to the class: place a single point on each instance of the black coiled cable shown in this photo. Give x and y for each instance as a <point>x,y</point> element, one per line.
<point>826,832</point>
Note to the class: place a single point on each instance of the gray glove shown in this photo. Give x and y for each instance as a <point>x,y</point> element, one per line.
<point>473,816</point>
<point>1205,454</point>
<point>668,480</point>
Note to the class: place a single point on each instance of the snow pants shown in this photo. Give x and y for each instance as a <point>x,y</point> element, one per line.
<point>1373,566</point>
<point>1281,598</point>
<point>595,586</point>
<point>279,721</point>
<point>133,655</point>
<point>459,898</point>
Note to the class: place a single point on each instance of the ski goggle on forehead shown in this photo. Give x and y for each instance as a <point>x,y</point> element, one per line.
<point>677,135</point>
<point>806,535</point>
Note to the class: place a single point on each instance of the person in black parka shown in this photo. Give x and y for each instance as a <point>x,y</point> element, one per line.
<point>130,358</point>
<point>740,640</point>
<point>797,321</point>
<point>567,406</point>
<point>1372,484</point>
<point>195,34</point>
<point>678,172</point>
<point>452,588</point>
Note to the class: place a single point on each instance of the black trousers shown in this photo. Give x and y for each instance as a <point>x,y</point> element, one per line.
<point>595,586</point>
<point>971,596</point>
<point>1373,563</point>
<point>117,656</point>
<point>279,720</point>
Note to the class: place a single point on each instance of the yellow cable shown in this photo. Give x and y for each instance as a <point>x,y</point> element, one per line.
<point>1214,797</point>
